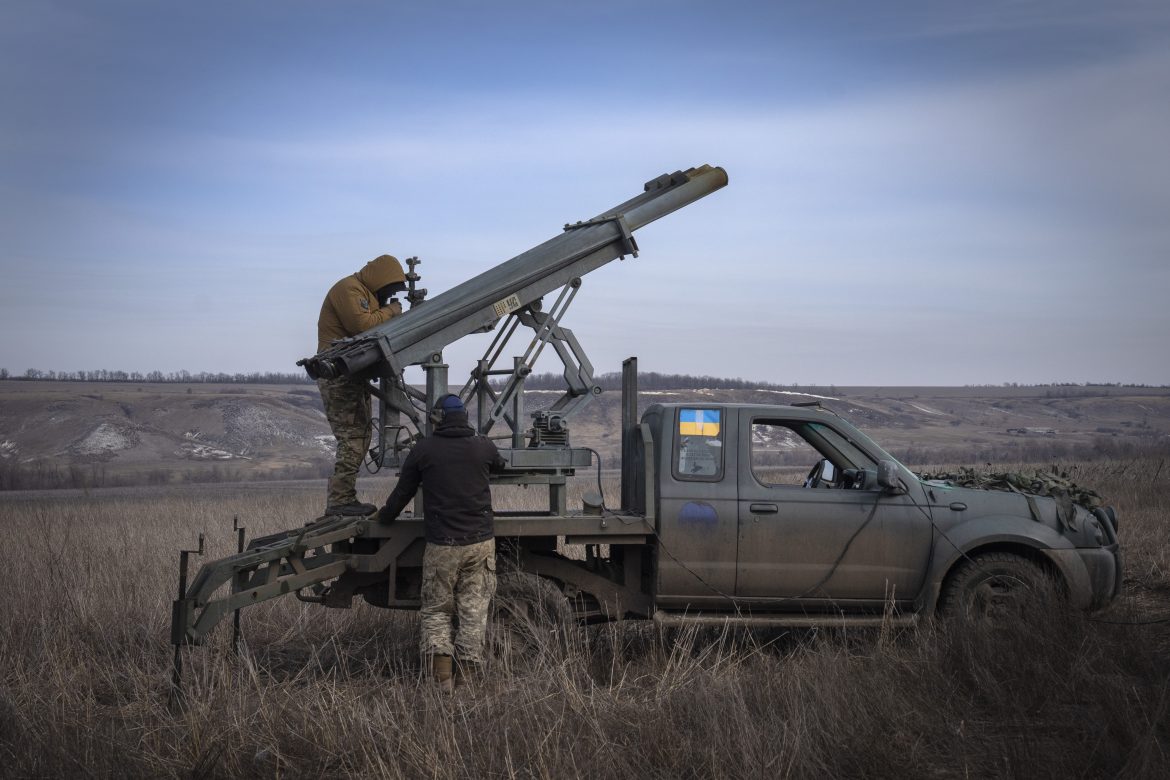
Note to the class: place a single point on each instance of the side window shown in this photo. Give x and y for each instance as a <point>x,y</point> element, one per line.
<point>781,456</point>
<point>699,445</point>
<point>783,453</point>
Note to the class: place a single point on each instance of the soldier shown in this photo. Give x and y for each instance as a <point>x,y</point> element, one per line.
<point>355,304</point>
<point>459,563</point>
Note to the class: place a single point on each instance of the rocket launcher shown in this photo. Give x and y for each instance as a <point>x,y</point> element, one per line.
<point>478,303</point>
<point>511,291</point>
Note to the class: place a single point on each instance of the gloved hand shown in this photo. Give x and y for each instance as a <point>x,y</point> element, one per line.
<point>383,517</point>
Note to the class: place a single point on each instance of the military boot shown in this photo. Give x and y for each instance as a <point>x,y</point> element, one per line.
<point>352,509</point>
<point>442,674</point>
<point>468,673</point>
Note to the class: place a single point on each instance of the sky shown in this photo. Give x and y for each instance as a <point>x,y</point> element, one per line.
<point>921,193</point>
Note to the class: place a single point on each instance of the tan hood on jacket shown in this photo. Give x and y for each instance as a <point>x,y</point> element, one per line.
<point>381,271</point>
<point>351,306</point>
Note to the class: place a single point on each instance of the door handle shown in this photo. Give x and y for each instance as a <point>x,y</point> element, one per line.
<point>764,509</point>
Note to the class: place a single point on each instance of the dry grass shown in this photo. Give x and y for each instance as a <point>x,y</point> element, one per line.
<point>85,664</point>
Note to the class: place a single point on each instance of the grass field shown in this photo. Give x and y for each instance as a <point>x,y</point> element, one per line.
<point>85,667</point>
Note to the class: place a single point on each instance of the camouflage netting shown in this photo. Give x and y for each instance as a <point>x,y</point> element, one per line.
<point>1056,484</point>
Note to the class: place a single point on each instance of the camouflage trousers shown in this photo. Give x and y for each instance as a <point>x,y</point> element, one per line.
<point>458,585</point>
<point>347,407</point>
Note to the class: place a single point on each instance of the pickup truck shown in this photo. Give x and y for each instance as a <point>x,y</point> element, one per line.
<point>716,524</point>
<point>713,522</point>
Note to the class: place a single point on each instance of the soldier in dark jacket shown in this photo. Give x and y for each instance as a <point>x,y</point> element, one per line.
<point>355,304</point>
<point>459,564</point>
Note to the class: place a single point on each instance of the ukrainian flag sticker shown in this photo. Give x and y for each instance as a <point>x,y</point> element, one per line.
<point>698,422</point>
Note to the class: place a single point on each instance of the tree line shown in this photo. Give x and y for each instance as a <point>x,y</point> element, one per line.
<point>177,377</point>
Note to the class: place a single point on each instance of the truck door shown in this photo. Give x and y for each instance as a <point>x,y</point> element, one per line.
<point>697,507</point>
<point>799,508</point>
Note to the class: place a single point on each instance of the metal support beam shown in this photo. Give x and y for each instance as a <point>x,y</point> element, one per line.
<point>482,397</point>
<point>517,387</point>
<point>436,373</point>
<point>629,431</point>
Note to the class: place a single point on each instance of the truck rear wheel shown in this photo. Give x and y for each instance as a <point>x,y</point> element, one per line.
<point>996,587</point>
<point>529,615</point>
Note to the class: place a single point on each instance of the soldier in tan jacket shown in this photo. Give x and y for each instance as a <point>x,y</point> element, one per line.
<point>353,305</point>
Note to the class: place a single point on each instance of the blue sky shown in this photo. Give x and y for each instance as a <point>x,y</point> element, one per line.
<point>921,193</point>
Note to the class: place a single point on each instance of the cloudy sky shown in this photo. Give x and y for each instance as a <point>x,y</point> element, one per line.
<point>921,192</point>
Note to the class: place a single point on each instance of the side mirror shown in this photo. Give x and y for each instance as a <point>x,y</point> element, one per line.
<point>888,478</point>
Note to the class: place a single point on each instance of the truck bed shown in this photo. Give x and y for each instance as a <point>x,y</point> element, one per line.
<point>354,553</point>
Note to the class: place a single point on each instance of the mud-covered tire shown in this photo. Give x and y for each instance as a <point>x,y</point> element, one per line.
<point>997,587</point>
<point>529,615</point>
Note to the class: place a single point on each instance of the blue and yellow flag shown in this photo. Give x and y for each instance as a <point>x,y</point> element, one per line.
<point>698,422</point>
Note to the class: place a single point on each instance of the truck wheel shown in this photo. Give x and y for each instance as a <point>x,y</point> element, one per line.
<point>996,587</point>
<point>529,614</point>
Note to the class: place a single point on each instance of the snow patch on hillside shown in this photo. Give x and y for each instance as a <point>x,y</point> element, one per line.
<point>250,426</point>
<point>8,449</point>
<point>793,392</point>
<point>106,439</point>
<point>773,437</point>
<point>195,451</point>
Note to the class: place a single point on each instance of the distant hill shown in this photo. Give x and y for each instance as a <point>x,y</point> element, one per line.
<point>55,434</point>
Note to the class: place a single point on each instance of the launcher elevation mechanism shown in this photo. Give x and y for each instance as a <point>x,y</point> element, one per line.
<point>513,292</point>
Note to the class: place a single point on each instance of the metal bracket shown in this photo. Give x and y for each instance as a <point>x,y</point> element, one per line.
<point>628,242</point>
<point>506,404</point>
<point>414,295</point>
<point>578,370</point>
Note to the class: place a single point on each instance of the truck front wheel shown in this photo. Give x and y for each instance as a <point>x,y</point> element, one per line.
<point>996,587</point>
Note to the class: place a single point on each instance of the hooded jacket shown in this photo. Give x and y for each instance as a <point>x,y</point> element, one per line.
<point>351,305</point>
<point>452,465</point>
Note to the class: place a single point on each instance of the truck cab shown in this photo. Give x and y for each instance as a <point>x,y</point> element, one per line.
<point>779,508</point>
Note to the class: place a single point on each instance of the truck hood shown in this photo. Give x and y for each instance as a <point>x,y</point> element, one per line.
<point>983,502</point>
<point>1079,524</point>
